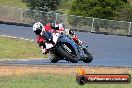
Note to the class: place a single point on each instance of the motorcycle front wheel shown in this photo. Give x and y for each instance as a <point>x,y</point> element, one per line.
<point>89,57</point>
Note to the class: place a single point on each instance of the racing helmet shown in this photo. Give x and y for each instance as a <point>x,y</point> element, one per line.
<point>37,28</point>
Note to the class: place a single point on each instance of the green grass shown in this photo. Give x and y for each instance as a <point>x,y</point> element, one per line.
<point>15,48</point>
<point>13,3</point>
<point>50,81</point>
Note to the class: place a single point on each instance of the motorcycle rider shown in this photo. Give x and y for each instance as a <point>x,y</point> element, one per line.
<point>38,28</point>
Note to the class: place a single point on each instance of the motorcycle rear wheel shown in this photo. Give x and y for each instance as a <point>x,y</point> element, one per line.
<point>67,55</point>
<point>54,58</point>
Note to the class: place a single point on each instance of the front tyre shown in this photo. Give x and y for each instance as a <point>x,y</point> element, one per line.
<point>89,57</point>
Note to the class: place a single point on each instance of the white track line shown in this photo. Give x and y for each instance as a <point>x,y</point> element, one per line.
<point>17,38</point>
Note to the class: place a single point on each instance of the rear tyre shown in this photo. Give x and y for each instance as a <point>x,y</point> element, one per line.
<point>53,58</point>
<point>68,56</point>
<point>89,57</point>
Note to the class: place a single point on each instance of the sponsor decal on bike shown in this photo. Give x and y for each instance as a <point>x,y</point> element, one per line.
<point>67,48</point>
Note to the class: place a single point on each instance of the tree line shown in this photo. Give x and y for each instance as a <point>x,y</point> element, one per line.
<point>104,9</point>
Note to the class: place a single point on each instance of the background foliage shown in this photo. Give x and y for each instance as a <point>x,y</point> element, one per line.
<point>43,5</point>
<point>125,13</point>
<point>105,9</point>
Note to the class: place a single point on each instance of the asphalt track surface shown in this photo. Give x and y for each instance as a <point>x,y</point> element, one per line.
<point>107,50</point>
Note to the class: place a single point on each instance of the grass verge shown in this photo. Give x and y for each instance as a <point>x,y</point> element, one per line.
<point>15,48</point>
<point>54,77</point>
<point>50,81</point>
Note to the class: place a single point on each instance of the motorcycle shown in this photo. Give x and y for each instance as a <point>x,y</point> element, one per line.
<point>64,48</point>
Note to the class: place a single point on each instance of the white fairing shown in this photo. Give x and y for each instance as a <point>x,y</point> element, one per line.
<point>55,37</point>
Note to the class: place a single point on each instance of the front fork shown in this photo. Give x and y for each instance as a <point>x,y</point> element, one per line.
<point>82,49</point>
